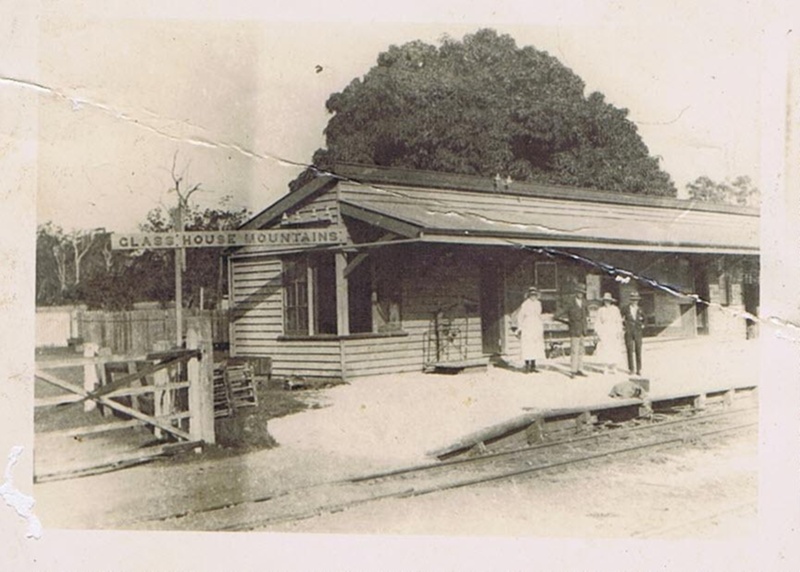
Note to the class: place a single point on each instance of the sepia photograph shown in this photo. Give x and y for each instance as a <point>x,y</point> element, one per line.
<point>491,272</point>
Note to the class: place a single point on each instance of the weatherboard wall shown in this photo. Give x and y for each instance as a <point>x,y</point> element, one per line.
<point>440,287</point>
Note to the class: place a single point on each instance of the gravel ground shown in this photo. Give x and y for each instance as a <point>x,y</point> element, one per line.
<point>707,490</point>
<point>382,422</point>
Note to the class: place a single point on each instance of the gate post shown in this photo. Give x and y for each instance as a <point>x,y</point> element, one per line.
<point>90,379</point>
<point>201,389</point>
<point>162,400</point>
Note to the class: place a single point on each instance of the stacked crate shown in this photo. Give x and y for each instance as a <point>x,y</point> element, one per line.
<point>222,397</point>
<point>234,387</point>
<point>241,385</point>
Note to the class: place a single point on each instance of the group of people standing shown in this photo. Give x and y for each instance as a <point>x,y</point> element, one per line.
<point>612,327</point>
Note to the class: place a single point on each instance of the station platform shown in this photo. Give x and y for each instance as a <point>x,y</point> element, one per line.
<point>403,418</point>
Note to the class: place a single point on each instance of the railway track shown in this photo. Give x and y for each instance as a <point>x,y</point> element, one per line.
<point>595,443</point>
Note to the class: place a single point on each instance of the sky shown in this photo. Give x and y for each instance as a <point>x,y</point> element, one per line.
<point>235,96</point>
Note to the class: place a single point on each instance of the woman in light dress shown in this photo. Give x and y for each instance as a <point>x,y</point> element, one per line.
<point>530,329</point>
<point>608,327</point>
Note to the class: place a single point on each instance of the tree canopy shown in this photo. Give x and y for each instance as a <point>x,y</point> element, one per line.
<point>740,191</point>
<point>484,106</point>
<point>114,280</point>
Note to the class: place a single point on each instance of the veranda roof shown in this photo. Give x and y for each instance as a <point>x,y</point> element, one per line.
<point>548,216</point>
<point>462,209</point>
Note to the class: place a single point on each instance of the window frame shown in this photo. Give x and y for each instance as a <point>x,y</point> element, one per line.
<point>295,275</point>
<point>536,266</point>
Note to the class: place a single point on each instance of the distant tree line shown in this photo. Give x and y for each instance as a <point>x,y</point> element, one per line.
<point>741,191</point>
<point>81,268</point>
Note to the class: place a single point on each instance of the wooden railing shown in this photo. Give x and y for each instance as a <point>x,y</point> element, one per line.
<point>169,390</point>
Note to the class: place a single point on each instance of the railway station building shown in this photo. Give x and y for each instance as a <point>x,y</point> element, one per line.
<point>374,270</point>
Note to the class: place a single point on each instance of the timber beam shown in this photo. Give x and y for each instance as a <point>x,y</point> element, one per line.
<point>362,256</point>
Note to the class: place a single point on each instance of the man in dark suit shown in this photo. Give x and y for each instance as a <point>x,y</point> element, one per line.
<point>576,315</point>
<point>633,322</point>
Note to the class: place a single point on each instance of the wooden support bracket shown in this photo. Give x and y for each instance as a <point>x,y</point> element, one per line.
<point>700,402</point>
<point>362,256</point>
<point>583,420</point>
<point>535,431</point>
<point>727,399</point>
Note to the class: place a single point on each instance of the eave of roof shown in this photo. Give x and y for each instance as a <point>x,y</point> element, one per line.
<point>461,216</point>
<point>372,174</point>
<point>289,201</point>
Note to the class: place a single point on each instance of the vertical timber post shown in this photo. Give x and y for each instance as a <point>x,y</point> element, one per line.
<point>179,278</point>
<point>162,400</point>
<point>201,377</point>
<point>342,308</point>
<point>342,302</point>
<point>90,379</point>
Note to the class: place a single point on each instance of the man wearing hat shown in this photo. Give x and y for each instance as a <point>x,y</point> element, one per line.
<point>576,315</point>
<point>633,321</point>
<point>530,329</point>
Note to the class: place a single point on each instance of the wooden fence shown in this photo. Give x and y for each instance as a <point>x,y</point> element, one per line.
<point>140,330</point>
<point>169,391</point>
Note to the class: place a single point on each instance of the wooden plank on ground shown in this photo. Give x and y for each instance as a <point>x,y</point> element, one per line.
<point>118,462</point>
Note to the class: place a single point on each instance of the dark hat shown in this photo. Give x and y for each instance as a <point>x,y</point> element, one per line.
<point>635,296</point>
<point>579,287</point>
<point>608,297</point>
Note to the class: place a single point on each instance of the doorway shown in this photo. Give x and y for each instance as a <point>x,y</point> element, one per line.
<point>701,306</point>
<point>750,293</point>
<point>491,301</point>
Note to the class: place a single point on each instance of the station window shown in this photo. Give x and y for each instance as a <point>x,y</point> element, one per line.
<point>309,296</point>
<point>648,305</point>
<point>546,276</point>
<point>295,291</point>
<point>309,286</point>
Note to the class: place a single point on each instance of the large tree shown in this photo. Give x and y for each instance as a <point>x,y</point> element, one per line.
<point>484,106</point>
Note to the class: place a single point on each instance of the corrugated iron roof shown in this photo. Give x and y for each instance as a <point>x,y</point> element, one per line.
<point>459,215</point>
<point>379,176</point>
<point>445,207</point>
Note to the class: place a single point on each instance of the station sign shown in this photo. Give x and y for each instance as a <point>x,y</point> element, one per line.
<point>273,238</point>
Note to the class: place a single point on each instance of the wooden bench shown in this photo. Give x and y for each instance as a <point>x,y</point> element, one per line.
<point>557,341</point>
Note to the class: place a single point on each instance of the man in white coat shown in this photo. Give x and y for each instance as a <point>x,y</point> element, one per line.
<point>530,329</point>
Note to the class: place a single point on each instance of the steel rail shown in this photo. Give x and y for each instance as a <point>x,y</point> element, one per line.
<point>699,417</point>
<point>606,434</point>
<point>412,492</point>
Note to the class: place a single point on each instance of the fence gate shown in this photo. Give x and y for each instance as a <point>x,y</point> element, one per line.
<point>104,412</point>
